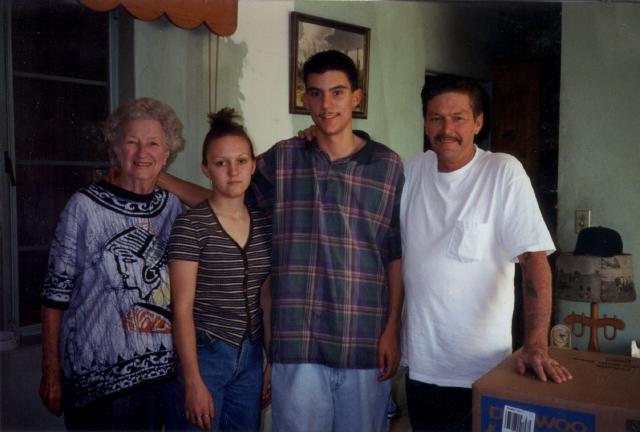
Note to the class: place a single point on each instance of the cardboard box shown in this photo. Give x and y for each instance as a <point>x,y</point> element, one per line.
<point>595,279</point>
<point>604,395</point>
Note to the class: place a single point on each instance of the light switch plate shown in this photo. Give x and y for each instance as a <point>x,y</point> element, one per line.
<point>583,219</point>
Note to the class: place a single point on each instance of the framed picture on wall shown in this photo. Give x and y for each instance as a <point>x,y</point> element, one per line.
<point>310,35</point>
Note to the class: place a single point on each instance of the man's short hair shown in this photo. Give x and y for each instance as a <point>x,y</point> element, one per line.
<point>331,60</point>
<point>439,84</point>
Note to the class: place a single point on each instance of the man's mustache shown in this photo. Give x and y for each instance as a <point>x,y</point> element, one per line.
<point>441,137</point>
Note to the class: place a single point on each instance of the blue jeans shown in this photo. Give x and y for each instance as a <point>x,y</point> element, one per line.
<point>234,379</point>
<point>311,397</point>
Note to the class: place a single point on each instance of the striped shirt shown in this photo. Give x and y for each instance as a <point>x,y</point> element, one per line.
<point>227,298</point>
<point>335,229</point>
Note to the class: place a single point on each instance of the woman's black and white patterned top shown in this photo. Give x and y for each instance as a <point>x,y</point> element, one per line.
<point>108,271</point>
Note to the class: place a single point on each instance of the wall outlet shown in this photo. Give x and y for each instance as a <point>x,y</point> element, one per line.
<point>583,219</point>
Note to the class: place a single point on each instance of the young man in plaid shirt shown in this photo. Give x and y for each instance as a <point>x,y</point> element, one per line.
<point>336,284</point>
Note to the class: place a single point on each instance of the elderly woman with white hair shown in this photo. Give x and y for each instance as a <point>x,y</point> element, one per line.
<point>106,326</point>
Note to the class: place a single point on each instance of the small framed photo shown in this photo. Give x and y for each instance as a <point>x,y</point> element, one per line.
<point>310,35</point>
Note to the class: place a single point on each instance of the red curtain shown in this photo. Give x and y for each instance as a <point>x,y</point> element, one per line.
<point>220,16</point>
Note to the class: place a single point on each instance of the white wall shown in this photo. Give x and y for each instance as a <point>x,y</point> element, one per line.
<point>255,77</point>
<point>196,72</point>
<point>599,160</point>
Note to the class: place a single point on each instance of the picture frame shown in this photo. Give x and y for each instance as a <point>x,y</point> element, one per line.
<point>311,34</point>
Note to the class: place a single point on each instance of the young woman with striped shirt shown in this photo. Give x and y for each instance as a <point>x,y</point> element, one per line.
<point>219,261</point>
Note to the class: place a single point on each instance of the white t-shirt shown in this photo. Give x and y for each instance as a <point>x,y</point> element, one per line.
<point>461,235</point>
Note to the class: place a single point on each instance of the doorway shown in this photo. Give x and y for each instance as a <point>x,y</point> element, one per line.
<point>61,77</point>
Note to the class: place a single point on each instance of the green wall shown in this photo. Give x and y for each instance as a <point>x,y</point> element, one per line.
<point>195,71</point>
<point>171,65</point>
<point>599,160</point>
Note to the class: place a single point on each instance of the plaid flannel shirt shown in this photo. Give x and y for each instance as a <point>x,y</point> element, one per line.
<point>335,229</point>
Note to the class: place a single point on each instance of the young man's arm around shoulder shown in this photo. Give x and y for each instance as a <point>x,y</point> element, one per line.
<point>189,193</point>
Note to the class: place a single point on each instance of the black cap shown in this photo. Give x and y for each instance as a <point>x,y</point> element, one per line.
<point>598,241</point>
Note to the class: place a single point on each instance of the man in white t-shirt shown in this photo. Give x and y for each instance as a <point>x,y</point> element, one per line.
<point>467,215</point>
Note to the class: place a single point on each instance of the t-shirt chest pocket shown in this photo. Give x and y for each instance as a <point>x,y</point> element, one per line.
<point>469,240</point>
